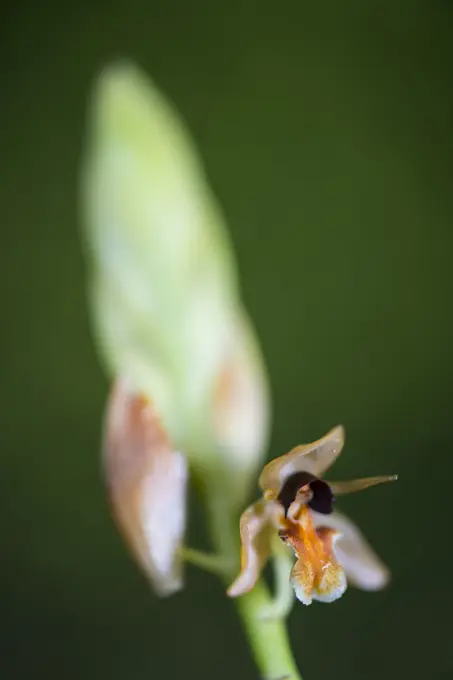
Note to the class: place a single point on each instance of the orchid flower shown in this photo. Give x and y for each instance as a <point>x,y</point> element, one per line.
<point>298,505</point>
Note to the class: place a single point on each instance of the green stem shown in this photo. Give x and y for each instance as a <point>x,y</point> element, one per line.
<point>267,638</point>
<point>216,564</point>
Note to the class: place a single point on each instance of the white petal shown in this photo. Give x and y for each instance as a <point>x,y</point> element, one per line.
<point>315,458</point>
<point>147,484</point>
<point>363,567</point>
<point>255,541</point>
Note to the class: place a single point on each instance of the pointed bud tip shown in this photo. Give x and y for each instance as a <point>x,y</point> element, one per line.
<point>118,73</point>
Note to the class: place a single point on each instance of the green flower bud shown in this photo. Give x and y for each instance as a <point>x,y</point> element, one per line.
<point>163,283</point>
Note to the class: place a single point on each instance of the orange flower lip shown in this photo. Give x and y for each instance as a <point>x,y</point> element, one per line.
<point>316,572</point>
<point>308,543</point>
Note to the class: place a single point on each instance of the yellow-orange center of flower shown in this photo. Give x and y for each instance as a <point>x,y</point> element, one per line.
<point>301,534</point>
<point>316,574</point>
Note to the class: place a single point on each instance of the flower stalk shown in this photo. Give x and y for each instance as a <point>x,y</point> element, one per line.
<point>268,639</point>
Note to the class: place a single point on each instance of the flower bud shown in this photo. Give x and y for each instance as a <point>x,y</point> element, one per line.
<point>163,283</point>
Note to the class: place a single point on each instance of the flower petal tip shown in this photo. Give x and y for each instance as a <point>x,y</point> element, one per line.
<point>247,579</point>
<point>302,597</point>
<point>243,584</point>
<point>235,590</point>
<point>337,432</point>
<point>375,579</point>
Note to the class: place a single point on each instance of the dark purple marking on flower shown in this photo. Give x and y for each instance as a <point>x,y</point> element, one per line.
<point>323,497</point>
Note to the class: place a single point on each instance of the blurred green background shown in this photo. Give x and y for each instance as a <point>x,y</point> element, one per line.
<point>327,132</point>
